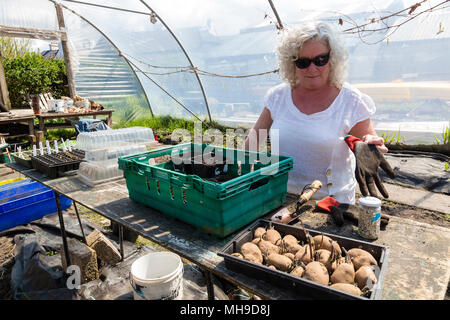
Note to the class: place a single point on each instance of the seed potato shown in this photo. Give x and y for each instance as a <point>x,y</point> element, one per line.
<point>251,252</point>
<point>317,272</point>
<point>350,288</point>
<point>363,275</point>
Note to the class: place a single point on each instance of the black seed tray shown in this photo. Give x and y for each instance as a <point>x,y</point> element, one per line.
<point>56,164</point>
<point>308,289</point>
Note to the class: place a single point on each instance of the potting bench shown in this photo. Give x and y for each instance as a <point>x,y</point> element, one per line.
<point>19,116</point>
<point>418,266</point>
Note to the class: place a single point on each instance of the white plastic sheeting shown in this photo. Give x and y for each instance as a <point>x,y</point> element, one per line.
<point>405,70</point>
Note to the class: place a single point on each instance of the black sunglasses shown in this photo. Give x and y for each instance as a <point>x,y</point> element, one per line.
<point>320,61</point>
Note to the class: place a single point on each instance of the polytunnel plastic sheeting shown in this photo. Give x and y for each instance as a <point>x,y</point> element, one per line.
<point>230,40</point>
<point>155,56</point>
<point>405,70</point>
<point>37,14</point>
<point>408,75</point>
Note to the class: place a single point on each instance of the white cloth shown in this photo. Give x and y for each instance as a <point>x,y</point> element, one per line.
<point>315,141</point>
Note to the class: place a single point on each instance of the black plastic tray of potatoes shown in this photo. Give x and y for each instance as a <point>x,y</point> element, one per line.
<point>57,164</point>
<point>307,288</point>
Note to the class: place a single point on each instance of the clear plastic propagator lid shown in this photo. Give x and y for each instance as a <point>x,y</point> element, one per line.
<point>114,138</point>
<point>93,173</point>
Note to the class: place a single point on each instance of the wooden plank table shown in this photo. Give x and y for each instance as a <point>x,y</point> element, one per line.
<point>418,267</point>
<point>67,115</point>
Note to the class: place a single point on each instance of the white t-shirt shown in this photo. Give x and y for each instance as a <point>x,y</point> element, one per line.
<point>313,141</point>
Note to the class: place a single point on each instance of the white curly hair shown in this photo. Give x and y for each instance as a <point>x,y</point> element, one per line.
<point>291,42</point>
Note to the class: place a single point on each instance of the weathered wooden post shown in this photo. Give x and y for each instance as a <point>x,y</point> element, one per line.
<point>66,50</point>
<point>4,95</point>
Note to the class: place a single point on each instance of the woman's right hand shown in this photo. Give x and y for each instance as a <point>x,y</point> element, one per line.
<point>378,141</point>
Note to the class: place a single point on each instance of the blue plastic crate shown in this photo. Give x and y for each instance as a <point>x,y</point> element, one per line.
<point>26,202</point>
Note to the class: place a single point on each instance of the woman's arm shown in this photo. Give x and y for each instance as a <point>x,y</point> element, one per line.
<point>366,132</point>
<point>255,136</point>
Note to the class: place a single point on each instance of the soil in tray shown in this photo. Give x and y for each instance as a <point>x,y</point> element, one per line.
<point>210,172</point>
<point>59,158</point>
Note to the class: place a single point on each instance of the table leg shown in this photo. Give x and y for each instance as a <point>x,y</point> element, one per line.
<point>41,124</point>
<point>79,221</point>
<point>209,285</point>
<point>122,253</point>
<point>63,229</point>
<point>31,127</point>
<point>109,120</point>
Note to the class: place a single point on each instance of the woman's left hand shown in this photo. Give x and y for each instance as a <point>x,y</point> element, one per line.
<point>378,141</point>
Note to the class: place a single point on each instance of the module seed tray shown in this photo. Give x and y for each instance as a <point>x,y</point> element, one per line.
<point>57,164</point>
<point>308,289</point>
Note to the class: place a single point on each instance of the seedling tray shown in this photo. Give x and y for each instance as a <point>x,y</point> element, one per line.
<point>24,161</point>
<point>57,164</point>
<point>308,289</point>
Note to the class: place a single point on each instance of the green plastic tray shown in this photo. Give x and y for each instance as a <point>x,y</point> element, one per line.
<point>215,208</point>
<point>26,162</point>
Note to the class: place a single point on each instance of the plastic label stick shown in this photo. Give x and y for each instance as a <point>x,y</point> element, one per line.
<point>41,148</point>
<point>47,144</point>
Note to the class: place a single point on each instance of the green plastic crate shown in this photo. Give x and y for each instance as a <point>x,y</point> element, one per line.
<point>215,208</point>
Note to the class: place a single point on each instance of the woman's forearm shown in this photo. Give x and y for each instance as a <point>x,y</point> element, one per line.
<point>258,134</point>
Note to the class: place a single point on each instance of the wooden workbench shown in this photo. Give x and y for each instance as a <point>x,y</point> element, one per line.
<point>418,267</point>
<point>19,116</point>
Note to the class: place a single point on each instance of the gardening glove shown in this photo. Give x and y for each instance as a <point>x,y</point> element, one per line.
<point>330,205</point>
<point>341,211</point>
<point>368,159</point>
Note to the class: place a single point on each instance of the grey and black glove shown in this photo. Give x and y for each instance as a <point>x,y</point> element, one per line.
<point>368,159</point>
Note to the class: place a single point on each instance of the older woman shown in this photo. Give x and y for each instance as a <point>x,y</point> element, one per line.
<point>313,109</point>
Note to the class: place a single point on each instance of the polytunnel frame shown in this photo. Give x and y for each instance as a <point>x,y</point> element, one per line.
<point>152,12</point>
<point>59,5</point>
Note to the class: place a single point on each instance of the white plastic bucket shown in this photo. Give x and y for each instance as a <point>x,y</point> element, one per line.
<point>157,276</point>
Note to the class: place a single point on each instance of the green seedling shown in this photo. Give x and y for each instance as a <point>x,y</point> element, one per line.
<point>392,138</point>
<point>445,137</point>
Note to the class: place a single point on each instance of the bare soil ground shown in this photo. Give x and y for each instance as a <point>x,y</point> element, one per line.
<point>6,263</point>
<point>417,214</point>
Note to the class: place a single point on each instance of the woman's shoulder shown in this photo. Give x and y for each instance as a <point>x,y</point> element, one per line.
<point>354,93</point>
<point>354,98</point>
